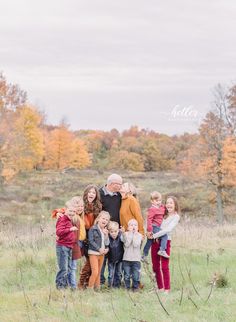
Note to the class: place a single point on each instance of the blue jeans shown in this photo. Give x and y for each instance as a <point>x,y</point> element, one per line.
<point>64,256</point>
<point>102,277</point>
<point>72,274</point>
<point>114,274</point>
<point>131,270</point>
<point>163,239</point>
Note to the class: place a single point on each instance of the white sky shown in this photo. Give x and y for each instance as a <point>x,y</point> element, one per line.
<point>113,64</point>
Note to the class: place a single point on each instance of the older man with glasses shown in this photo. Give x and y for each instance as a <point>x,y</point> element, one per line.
<point>111,202</point>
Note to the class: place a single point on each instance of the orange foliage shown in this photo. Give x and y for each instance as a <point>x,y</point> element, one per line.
<point>79,157</point>
<point>58,148</point>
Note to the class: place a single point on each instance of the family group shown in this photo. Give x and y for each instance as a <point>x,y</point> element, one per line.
<point>105,227</point>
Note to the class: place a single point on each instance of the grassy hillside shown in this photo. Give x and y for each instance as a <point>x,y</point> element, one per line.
<point>32,195</point>
<point>203,257</point>
<point>200,255</point>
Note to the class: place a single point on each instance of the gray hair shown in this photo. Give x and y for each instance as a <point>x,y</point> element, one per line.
<point>114,178</point>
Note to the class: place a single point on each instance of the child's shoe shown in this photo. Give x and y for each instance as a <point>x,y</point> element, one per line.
<point>163,253</point>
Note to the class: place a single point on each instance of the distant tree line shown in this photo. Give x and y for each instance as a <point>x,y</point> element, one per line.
<point>27,142</point>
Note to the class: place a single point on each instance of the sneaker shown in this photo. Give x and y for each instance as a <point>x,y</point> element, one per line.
<point>163,253</point>
<point>144,259</point>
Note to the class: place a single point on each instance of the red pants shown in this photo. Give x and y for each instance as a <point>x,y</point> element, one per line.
<point>160,266</point>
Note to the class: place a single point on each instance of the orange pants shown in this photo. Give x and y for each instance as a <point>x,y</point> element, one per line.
<point>96,262</point>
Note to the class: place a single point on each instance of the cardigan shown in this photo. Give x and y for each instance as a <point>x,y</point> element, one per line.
<point>130,209</point>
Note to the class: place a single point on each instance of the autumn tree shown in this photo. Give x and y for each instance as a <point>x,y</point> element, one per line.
<point>11,98</point>
<point>212,155</point>
<point>64,149</point>
<point>126,161</point>
<point>23,149</point>
<point>58,148</point>
<point>79,158</point>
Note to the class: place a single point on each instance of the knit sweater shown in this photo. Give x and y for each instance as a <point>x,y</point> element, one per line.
<point>132,244</point>
<point>111,203</point>
<point>167,226</point>
<point>130,209</point>
<point>155,216</point>
<point>66,237</point>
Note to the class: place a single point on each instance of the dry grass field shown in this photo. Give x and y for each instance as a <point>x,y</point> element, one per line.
<point>203,261</point>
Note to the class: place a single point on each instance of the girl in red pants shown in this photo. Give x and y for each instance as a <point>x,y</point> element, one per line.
<point>160,264</point>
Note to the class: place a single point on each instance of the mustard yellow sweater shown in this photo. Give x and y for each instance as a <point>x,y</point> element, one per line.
<point>130,209</point>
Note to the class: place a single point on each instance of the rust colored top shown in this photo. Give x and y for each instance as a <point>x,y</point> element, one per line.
<point>89,220</point>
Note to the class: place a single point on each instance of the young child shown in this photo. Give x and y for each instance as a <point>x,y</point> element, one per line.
<point>64,244</point>
<point>132,255</point>
<point>80,234</point>
<point>115,255</point>
<point>98,247</point>
<point>154,219</point>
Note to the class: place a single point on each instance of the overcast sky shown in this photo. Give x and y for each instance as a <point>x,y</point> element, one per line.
<point>116,63</point>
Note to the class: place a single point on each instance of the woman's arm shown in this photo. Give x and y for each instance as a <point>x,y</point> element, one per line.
<point>171,225</point>
<point>136,212</point>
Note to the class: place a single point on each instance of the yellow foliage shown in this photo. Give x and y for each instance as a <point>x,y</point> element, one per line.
<point>229,161</point>
<point>23,148</point>
<point>59,148</point>
<point>127,161</point>
<point>79,156</point>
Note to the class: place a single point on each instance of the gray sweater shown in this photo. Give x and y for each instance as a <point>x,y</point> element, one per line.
<point>132,246</point>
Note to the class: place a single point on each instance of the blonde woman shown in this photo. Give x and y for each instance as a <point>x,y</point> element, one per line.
<point>130,208</point>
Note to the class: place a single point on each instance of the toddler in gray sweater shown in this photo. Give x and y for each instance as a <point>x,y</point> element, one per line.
<point>132,255</point>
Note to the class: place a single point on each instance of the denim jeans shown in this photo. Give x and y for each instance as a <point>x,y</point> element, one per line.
<point>114,274</point>
<point>163,240</point>
<point>72,274</point>
<point>102,277</point>
<point>131,270</point>
<point>64,256</point>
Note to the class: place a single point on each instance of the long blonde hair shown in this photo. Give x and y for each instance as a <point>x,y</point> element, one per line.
<point>102,213</point>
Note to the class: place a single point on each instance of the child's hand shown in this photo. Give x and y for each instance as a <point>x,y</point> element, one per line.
<point>130,229</point>
<point>101,251</point>
<point>149,235</point>
<point>74,228</point>
<point>122,229</point>
<point>59,214</point>
<point>106,250</point>
<point>105,231</point>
